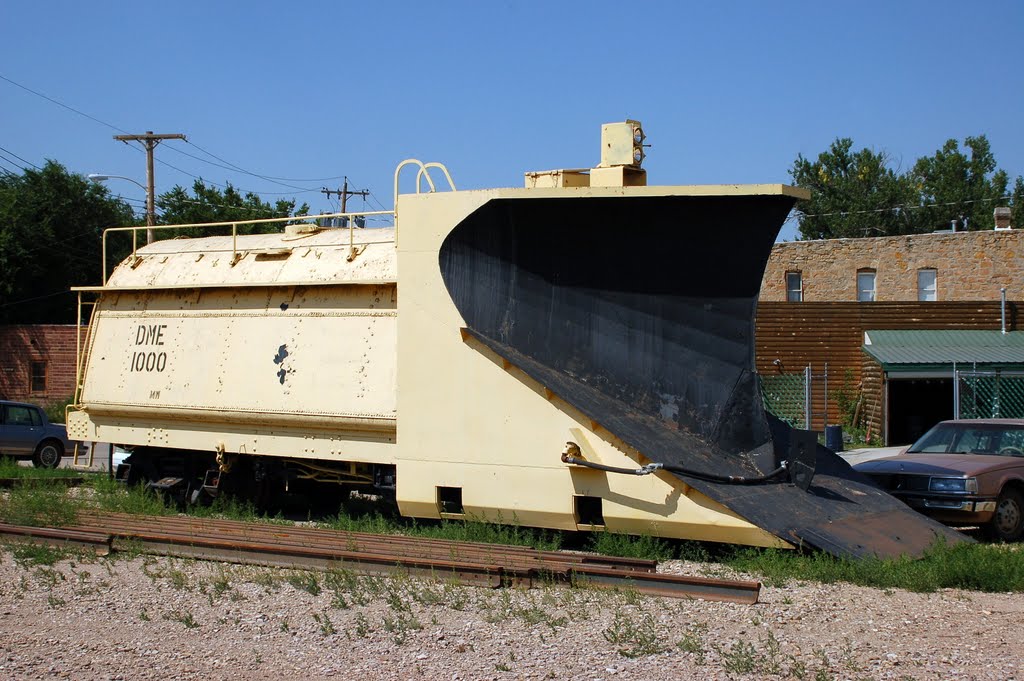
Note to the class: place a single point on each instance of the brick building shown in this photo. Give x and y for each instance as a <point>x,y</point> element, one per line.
<point>922,267</point>
<point>818,298</point>
<point>37,362</point>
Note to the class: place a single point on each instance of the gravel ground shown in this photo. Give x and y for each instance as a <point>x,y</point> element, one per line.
<point>158,618</point>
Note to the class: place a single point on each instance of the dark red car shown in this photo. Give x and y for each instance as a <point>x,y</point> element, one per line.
<point>965,472</point>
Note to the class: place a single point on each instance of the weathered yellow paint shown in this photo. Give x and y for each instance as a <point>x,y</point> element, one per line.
<point>284,345</point>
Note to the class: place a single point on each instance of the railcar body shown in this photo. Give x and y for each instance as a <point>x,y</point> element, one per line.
<point>452,357</point>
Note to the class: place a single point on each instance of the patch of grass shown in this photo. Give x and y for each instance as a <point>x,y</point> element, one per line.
<point>692,642</point>
<point>631,546</point>
<point>474,530</point>
<point>633,637</point>
<point>305,581</point>
<point>740,658</point>
<point>116,497</point>
<point>978,567</point>
<point>10,469</point>
<point>401,625</point>
<point>27,554</point>
<point>37,504</point>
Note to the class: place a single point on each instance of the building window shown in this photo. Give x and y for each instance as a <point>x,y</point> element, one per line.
<point>794,287</point>
<point>38,377</point>
<point>866,286</point>
<point>927,285</point>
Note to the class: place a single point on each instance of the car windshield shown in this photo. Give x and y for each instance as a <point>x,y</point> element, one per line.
<point>972,438</point>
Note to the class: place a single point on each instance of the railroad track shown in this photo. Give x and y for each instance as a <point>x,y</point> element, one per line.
<point>290,546</point>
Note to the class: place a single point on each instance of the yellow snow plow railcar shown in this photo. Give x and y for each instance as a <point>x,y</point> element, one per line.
<point>573,354</point>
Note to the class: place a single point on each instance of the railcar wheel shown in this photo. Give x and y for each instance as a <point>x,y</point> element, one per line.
<point>1008,522</point>
<point>48,454</point>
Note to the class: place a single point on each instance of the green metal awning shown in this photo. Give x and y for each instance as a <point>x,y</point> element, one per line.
<point>914,350</point>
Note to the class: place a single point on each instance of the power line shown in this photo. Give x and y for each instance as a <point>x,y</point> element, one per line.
<point>896,209</point>
<point>276,180</point>
<point>20,158</point>
<point>61,104</point>
<point>29,300</point>
<point>225,186</point>
<point>16,165</point>
<point>265,177</point>
<point>232,168</point>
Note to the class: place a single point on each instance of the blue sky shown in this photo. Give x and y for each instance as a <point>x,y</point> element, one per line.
<point>728,92</point>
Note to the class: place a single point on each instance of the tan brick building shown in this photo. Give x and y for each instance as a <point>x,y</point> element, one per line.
<point>943,266</point>
<point>819,297</point>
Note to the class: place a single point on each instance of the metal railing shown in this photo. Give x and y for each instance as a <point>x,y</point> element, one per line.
<point>423,173</point>
<point>234,224</point>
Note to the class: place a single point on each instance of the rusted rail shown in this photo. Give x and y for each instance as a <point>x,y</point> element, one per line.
<point>67,480</point>
<point>313,548</point>
<point>95,540</point>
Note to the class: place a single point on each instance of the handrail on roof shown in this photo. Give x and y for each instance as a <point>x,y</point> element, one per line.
<point>423,174</point>
<point>234,229</point>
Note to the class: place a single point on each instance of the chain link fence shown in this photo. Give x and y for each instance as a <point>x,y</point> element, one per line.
<point>988,394</point>
<point>785,396</point>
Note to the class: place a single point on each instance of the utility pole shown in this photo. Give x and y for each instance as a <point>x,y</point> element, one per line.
<point>149,141</point>
<point>344,193</point>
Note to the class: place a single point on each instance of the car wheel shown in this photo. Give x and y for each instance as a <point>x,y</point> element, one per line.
<point>1008,522</point>
<point>48,454</point>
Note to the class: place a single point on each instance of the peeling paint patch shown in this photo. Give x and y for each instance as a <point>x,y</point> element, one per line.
<point>282,373</point>
<point>284,306</point>
<point>669,407</point>
<point>282,352</point>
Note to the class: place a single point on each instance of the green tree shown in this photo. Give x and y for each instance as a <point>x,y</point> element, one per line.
<point>852,194</point>
<point>953,185</point>
<point>210,204</point>
<point>1017,202</point>
<point>51,225</point>
<point>856,194</point>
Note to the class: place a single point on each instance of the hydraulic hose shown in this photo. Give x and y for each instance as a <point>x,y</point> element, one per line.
<point>572,449</point>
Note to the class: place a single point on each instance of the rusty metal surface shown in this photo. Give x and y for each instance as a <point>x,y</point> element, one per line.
<point>464,562</point>
<point>70,481</point>
<point>183,529</point>
<point>95,540</point>
<point>669,585</point>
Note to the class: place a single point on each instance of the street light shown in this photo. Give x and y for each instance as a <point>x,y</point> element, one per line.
<point>150,213</point>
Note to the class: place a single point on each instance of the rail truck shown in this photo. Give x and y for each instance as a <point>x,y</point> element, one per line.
<point>576,353</point>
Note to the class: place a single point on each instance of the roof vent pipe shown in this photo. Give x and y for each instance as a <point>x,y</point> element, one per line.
<point>1002,307</point>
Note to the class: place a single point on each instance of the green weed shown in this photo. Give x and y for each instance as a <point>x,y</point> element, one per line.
<point>26,554</point>
<point>305,581</point>
<point>116,497</point>
<point>401,625</point>
<point>326,625</point>
<point>10,469</point>
<point>37,504</point>
<point>185,618</point>
<point>977,567</point>
<point>633,637</point>
<point>630,546</point>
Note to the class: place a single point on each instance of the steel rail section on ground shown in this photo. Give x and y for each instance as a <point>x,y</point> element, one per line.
<point>308,548</point>
<point>390,545</point>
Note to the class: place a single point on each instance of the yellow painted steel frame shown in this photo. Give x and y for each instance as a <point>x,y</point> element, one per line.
<point>209,354</point>
<point>471,421</point>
